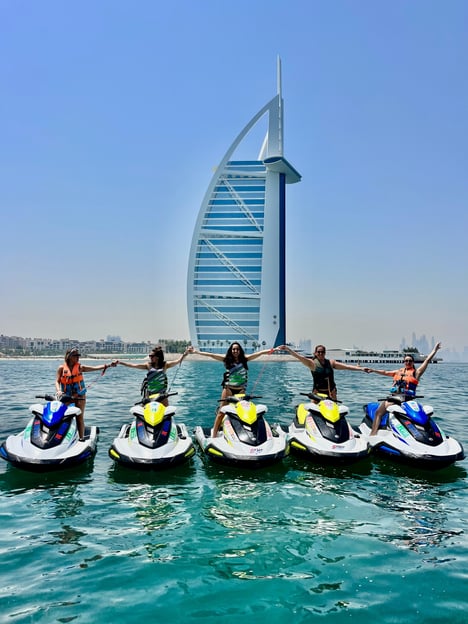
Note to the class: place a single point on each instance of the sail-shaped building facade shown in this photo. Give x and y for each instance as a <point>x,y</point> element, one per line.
<point>236,273</point>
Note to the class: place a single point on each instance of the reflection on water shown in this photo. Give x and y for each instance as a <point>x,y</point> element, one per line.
<point>357,471</point>
<point>162,514</point>
<point>157,500</point>
<point>452,474</point>
<point>14,481</point>
<point>420,511</point>
<point>67,501</point>
<point>237,507</point>
<point>251,576</point>
<point>180,475</point>
<point>68,535</point>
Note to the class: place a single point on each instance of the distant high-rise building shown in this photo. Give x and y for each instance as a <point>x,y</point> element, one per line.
<point>305,345</point>
<point>113,339</point>
<point>236,273</point>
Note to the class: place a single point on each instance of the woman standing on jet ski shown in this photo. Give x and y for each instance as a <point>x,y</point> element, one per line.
<point>405,381</point>
<point>322,369</point>
<point>156,377</point>
<point>69,381</point>
<point>236,376</point>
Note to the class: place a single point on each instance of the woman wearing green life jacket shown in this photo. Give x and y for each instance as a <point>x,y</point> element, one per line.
<point>236,376</point>
<point>156,377</point>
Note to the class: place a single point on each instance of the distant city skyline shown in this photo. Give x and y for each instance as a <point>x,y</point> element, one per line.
<point>422,344</point>
<point>306,344</point>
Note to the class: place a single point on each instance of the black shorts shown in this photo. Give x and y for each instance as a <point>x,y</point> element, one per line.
<point>235,390</point>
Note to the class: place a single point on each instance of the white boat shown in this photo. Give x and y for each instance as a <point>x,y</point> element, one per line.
<point>390,356</point>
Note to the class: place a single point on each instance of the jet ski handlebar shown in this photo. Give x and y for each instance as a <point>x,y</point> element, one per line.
<point>156,397</point>
<point>237,399</point>
<point>401,397</point>
<point>319,397</point>
<point>63,398</point>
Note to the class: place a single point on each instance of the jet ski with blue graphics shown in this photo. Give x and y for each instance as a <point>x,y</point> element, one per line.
<point>50,440</point>
<point>320,432</point>
<point>245,438</point>
<point>153,440</point>
<point>408,434</point>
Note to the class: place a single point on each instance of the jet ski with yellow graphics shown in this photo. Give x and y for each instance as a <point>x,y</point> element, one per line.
<point>153,440</point>
<point>245,438</point>
<point>321,432</point>
<point>50,440</point>
<point>408,434</point>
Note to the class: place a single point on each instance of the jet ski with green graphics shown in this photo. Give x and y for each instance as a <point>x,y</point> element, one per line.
<point>153,440</point>
<point>409,434</point>
<point>245,438</point>
<point>50,440</point>
<point>321,432</point>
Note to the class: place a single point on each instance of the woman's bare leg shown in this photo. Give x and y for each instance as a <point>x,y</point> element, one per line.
<point>379,412</point>
<point>81,404</point>
<point>219,414</point>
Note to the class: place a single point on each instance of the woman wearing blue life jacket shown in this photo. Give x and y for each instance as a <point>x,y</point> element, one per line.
<point>405,381</point>
<point>322,369</point>
<point>69,380</point>
<point>235,378</point>
<point>156,377</point>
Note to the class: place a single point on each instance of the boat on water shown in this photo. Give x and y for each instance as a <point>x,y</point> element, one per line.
<point>390,356</point>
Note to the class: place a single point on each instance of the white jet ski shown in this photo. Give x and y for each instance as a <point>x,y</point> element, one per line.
<point>320,432</point>
<point>245,438</point>
<point>50,440</point>
<point>153,440</point>
<point>408,434</point>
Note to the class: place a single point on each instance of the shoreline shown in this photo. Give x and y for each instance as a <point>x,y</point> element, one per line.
<point>170,357</point>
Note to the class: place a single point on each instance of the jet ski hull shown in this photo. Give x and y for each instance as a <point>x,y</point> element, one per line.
<point>397,437</point>
<point>242,455</point>
<point>18,451</point>
<point>320,450</point>
<point>127,451</point>
<point>320,432</point>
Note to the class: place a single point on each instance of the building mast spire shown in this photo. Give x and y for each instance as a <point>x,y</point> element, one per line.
<point>278,76</point>
<point>280,106</point>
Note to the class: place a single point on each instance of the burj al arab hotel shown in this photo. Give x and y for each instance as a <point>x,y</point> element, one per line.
<point>236,272</point>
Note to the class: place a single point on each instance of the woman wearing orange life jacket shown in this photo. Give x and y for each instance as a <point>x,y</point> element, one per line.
<point>69,381</point>
<point>405,380</point>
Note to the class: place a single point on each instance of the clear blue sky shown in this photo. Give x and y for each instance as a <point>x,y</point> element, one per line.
<point>113,115</point>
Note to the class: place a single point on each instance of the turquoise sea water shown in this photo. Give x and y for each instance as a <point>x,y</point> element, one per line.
<point>298,542</point>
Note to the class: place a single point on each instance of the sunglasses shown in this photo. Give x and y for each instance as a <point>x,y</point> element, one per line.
<point>320,352</point>
<point>406,361</point>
